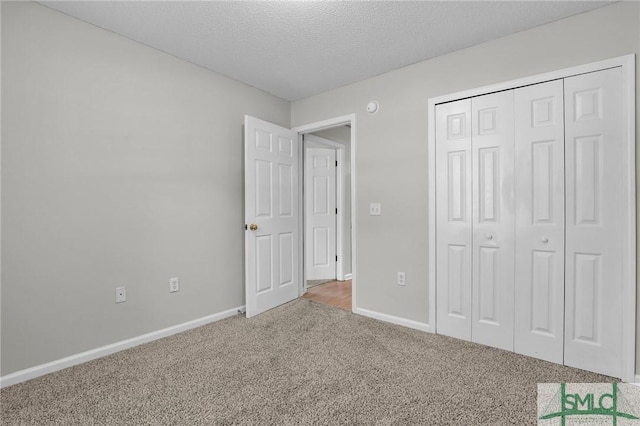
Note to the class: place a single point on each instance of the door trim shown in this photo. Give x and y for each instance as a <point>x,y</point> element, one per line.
<point>627,64</point>
<point>339,201</point>
<point>316,127</point>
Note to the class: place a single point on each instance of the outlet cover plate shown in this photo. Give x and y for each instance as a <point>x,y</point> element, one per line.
<point>121,294</point>
<point>401,278</point>
<point>174,285</point>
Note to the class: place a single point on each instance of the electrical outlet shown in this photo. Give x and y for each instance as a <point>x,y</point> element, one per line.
<point>375,209</point>
<point>174,285</point>
<point>121,294</point>
<point>401,278</point>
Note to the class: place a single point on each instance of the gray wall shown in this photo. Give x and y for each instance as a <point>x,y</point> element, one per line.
<point>342,134</point>
<point>121,165</point>
<point>391,163</point>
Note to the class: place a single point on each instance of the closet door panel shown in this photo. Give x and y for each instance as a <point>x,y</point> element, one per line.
<point>453,219</point>
<point>493,219</point>
<point>594,222</point>
<point>539,200</point>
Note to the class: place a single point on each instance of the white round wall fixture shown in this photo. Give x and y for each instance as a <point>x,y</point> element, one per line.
<point>372,107</point>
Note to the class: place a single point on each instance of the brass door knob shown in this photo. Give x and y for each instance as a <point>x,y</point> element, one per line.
<point>253,227</point>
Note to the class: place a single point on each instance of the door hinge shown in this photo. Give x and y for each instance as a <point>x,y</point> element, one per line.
<point>336,210</point>
<point>336,257</point>
<point>336,163</point>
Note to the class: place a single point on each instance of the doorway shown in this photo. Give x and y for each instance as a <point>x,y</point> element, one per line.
<point>327,205</point>
<point>327,216</point>
<point>274,225</point>
<point>328,211</point>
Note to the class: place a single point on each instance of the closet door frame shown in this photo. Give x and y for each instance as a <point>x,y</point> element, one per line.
<point>627,65</point>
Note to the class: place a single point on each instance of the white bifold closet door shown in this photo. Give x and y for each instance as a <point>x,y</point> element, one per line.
<point>539,171</point>
<point>475,261</point>
<point>493,219</point>
<point>530,220</point>
<point>453,218</point>
<point>594,221</point>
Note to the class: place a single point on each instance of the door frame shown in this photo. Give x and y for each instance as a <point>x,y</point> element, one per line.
<point>627,65</point>
<point>349,119</point>
<point>339,192</point>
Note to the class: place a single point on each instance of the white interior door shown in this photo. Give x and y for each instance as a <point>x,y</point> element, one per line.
<point>493,219</point>
<point>320,213</point>
<point>271,215</point>
<point>539,174</point>
<point>594,221</point>
<point>453,219</point>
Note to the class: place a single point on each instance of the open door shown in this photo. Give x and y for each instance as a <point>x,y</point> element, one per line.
<point>320,213</point>
<point>271,215</point>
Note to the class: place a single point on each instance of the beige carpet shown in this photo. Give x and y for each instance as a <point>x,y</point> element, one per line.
<point>300,364</point>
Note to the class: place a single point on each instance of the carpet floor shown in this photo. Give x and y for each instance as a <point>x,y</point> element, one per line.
<point>303,363</point>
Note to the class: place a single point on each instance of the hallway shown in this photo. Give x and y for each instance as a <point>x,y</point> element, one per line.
<point>333,293</point>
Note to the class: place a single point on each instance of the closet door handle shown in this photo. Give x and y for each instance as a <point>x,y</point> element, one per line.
<point>489,236</point>
<point>544,239</point>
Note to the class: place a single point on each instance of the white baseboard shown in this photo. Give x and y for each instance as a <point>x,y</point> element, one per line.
<point>50,367</point>
<point>637,381</point>
<point>393,319</point>
<point>347,276</point>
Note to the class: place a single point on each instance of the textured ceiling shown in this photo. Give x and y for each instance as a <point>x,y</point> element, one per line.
<point>297,49</point>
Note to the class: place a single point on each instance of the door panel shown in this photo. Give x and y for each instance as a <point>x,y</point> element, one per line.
<point>287,185</point>
<point>588,174</point>
<point>456,186</point>
<point>453,219</point>
<point>271,176</point>
<point>287,267</point>
<point>594,163</point>
<point>493,219</point>
<point>541,301</point>
<point>456,283</point>
<point>487,291</point>
<point>320,195</point>
<point>539,280</point>
<point>585,318</point>
<point>489,176</point>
